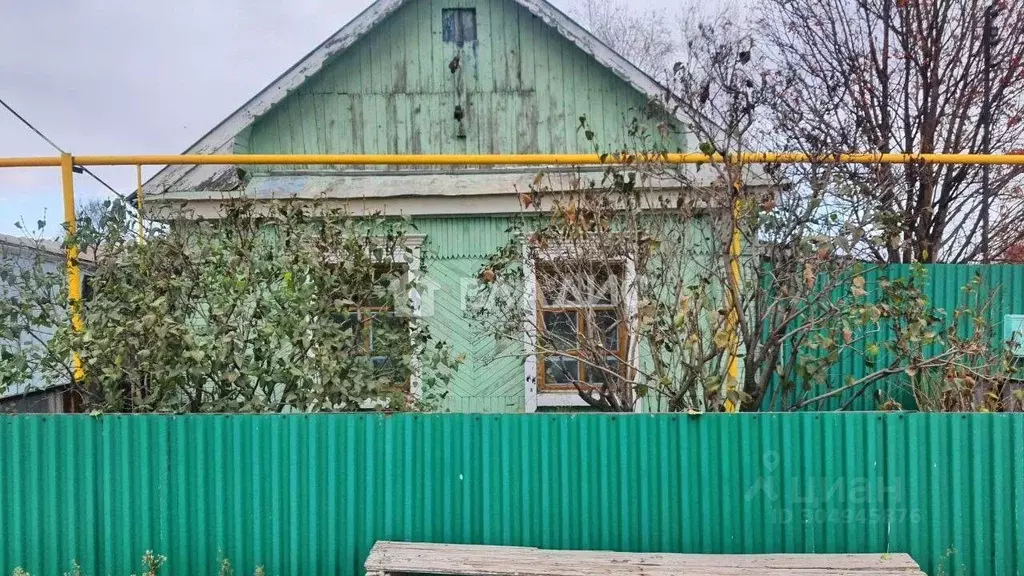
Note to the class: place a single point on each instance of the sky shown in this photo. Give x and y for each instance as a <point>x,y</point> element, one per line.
<point>131,77</point>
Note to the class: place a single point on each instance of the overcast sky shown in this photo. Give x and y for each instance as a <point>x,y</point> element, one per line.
<point>136,77</point>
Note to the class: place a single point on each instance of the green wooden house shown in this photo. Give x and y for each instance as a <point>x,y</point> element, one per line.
<point>437,77</point>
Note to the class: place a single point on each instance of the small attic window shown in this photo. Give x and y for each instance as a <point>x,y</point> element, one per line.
<point>458,25</point>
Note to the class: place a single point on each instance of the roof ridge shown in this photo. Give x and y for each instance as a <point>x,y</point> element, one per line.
<point>221,138</point>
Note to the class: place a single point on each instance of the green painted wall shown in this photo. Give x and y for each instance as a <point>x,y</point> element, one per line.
<point>309,494</point>
<point>522,87</point>
<point>492,379</point>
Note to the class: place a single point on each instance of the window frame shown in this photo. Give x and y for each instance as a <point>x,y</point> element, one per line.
<point>581,312</point>
<point>538,397</point>
<point>409,254</point>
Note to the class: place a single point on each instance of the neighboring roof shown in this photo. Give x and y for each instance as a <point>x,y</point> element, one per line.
<point>47,247</point>
<point>221,139</point>
<point>52,251</point>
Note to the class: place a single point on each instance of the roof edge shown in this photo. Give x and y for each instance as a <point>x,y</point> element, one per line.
<point>221,138</point>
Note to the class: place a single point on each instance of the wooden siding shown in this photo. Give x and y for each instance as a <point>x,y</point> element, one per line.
<point>492,378</point>
<point>522,86</point>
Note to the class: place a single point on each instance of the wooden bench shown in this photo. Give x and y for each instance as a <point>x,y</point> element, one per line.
<point>425,558</point>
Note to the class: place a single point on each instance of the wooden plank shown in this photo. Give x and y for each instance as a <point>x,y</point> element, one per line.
<point>427,558</point>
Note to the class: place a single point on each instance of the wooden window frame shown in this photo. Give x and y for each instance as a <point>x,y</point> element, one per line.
<point>534,398</point>
<point>409,255</point>
<point>581,312</point>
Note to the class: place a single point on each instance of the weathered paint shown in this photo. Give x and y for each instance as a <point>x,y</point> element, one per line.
<point>493,376</point>
<point>233,132</point>
<point>492,379</point>
<point>522,88</point>
<point>310,494</point>
<point>464,237</point>
<point>1004,283</point>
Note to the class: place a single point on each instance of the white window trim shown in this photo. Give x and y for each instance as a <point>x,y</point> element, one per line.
<point>570,398</point>
<point>529,331</point>
<point>413,244</point>
<point>412,247</point>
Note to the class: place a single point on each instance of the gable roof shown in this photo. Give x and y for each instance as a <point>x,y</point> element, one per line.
<point>221,139</point>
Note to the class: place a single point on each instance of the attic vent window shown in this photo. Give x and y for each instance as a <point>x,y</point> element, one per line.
<point>458,25</point>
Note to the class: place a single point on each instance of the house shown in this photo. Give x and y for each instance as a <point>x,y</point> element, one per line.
<point>435,77</point>
<point>35,394</point>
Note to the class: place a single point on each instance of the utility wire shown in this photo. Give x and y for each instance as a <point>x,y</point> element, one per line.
<point>57,148</point>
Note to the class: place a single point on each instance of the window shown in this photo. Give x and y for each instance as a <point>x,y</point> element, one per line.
<point>458,25</point>
<point>582,331</point>
<point>381,334</point>
<point>379,331</point>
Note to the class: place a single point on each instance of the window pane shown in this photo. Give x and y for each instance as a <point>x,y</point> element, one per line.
<point>561,370</point>
<point>609,374</point>
<point>563,283</point>
<point>555,289</point>
<point>387,331</point>
<point>351,321</point>
<point>458,25</point>
<point>383,365</point>
<point>606,327</point>
<point>386,285</point>
<point>560,330</point>
<point>603,287</point>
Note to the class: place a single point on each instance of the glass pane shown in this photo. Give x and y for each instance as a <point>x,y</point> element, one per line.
<point>603,288</point>
<point>566,284</point>
<point>560,370</point>
<point>611,372</point>
<point>387,331</point>
<point>390,373</point>
<point>382,365</point>
<point>386,285</point>
<point>458,25</point>
<point>560,330</point>
<point>606,327</point>
<point>350,321</point>
<point>555,290</point>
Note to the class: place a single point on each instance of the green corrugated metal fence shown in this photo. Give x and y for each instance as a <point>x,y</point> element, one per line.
<point>310,494</point>
<point>944,282</point>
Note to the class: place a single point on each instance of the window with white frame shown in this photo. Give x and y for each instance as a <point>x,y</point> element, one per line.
<point>378,329</point>
<point>381,319</point>
<point>581,326</point>
<point>578,328</point>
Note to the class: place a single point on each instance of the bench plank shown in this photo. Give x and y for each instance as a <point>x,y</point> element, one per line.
<point>428,558</point>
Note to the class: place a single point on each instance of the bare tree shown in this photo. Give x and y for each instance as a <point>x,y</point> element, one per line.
<point>720,286</point>
<point>907,76</point>
<point>93,211</point>
<point>644,37</point>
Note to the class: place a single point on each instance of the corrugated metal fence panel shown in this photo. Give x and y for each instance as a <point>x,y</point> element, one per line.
<point>1003,283</point>
<point>310,494</point>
